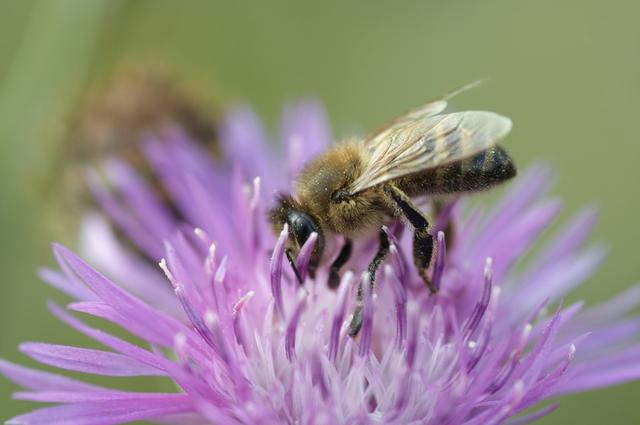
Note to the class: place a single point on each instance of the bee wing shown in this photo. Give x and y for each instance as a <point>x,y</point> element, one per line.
<point>422,112</point>
<point>409,146</point>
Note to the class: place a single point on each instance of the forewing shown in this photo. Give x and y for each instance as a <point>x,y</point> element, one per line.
<point>409,146</point>
<point>414,116</point>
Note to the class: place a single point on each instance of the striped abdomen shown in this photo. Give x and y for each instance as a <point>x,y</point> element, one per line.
<point>479,172</point>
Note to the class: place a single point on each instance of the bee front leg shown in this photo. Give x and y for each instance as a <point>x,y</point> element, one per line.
<point>422,240</point>
<point>341,260</point>
<point>383,250</point>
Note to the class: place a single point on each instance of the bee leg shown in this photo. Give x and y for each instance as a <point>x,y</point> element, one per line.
<point>341,260</point>
<point>422,240</point>
<point>383,250</point>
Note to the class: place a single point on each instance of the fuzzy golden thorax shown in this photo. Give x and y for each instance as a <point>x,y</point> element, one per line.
<point>320,191</point>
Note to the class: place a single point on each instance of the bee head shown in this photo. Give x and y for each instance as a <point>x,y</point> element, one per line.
<point>301,226</point>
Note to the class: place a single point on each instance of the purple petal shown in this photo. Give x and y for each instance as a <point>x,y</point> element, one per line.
<point>534,416</point>
<point>145,407</point>
<point>69,286</point>
<point>134,229</point>
<point>163,326</point>
<point>42,381</point>
<point>87,360</point>
<point>560,279</point>
<point>102,248</point>
<point>140,198</point>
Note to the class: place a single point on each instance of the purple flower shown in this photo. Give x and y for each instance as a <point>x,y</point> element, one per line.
<point>244,344</point>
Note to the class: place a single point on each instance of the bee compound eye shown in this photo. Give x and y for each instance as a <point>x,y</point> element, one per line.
<point>302,226</point>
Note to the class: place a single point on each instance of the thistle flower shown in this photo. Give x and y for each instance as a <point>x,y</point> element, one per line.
<point>244,344</point>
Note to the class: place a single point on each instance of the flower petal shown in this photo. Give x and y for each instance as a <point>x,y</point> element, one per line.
<point>87,360</point>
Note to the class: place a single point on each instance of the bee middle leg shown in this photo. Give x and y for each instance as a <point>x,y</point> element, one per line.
<point>422,240</point>
<point>383,250</point>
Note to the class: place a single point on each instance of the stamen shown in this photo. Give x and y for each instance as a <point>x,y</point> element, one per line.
<point>400,295</point>
<point>536,356</point>
<point>210,260</point>
<point>515,399</point>
<point>552,377</point>
<point>202,235</point>
<point>318,375</point>
<point>292,327</point>
<point>220,293</point>
<point>254,205</point>
<point>255,198</point>
<point>480,308</point>
<point>304,256</point>
<point>276,271</point>
<point>165,268</point>
<point>412,341</point>
<point>212,322</point>
<point>505,373</point>
<point>438,267</point>
<point>479,347</point>
<point>236,317</point>
<point>222,271</point>
<point>179,347</point>
<point>194,318</point>
<point>397,259</point>
<point>338,315</point>
<point>239,305</point>
<point>565,364</point>
<point>398,265</point>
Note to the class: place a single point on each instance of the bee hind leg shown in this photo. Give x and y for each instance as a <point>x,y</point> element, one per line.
<point>423,244</point>
<point>383,250</point>
<point>341,260</point>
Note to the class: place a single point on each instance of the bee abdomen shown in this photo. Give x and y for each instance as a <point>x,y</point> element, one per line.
<point>478,172</point>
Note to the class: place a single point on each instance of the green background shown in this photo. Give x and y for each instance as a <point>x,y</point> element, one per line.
<point>567,72</point>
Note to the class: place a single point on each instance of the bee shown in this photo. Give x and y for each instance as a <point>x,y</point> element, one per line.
<point>357,186</point>
<point>112,119</point>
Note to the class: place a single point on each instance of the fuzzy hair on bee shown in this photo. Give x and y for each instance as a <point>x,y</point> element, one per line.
<point>320,189</point>
<point>359,185</point>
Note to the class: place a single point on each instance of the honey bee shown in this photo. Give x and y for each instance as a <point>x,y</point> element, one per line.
<point>359,185</point>
<point>112,119</point>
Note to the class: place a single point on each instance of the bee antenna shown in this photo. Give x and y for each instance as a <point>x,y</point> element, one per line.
<point>466,87</point>
<point>285,199</point>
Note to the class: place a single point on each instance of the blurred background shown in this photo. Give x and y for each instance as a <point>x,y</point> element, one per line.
<point>567,72</point>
